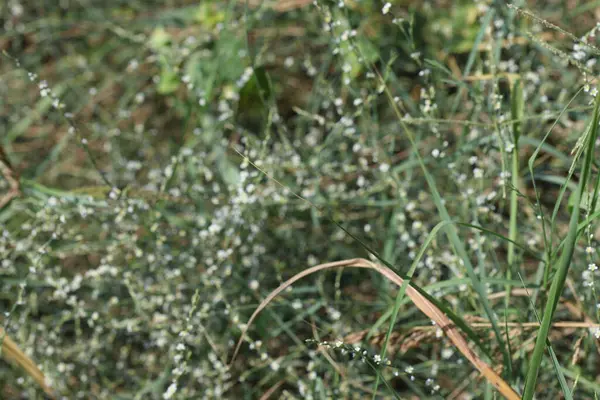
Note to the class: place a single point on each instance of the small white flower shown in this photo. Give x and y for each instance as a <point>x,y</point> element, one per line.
<point>360,181</point>
<point>386,8</point>
<point>447,353</point>
<point>334,314</point>
<point>589,250</point>
<point>170,391</point>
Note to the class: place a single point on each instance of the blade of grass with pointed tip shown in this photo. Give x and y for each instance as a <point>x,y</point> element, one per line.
<point>564,262</point>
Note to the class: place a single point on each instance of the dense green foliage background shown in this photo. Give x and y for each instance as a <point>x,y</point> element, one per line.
<point>165,151</point>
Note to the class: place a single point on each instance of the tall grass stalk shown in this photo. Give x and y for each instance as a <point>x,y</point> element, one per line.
<point>517,108</point>
<point>564,261</point>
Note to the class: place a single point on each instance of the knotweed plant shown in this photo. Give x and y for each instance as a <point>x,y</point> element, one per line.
<point>166,168</point>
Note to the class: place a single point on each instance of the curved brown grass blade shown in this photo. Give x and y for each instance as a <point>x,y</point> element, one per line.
<point>11,352</point>
<point>428,308</point>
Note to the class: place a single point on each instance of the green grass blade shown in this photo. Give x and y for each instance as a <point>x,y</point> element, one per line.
<point>564,262</point>
<point>517,110</point>
<point>561,377</point>
<point>555,363</point>
<point>517,114</point>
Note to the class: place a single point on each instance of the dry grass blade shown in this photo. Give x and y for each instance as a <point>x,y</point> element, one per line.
<point>416,335</point>
<point>555,325</point>
<point>514,292</point>
<point>421,302</point>
<point>281,5</point>
<point>267,395</point>
<point>11,352</point>
<point>575,357</point>
<point>11,177</point>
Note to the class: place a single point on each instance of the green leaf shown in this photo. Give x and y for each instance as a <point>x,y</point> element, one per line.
<point>159,39</point>
<point>255,97</point>
<point>169,81</point>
